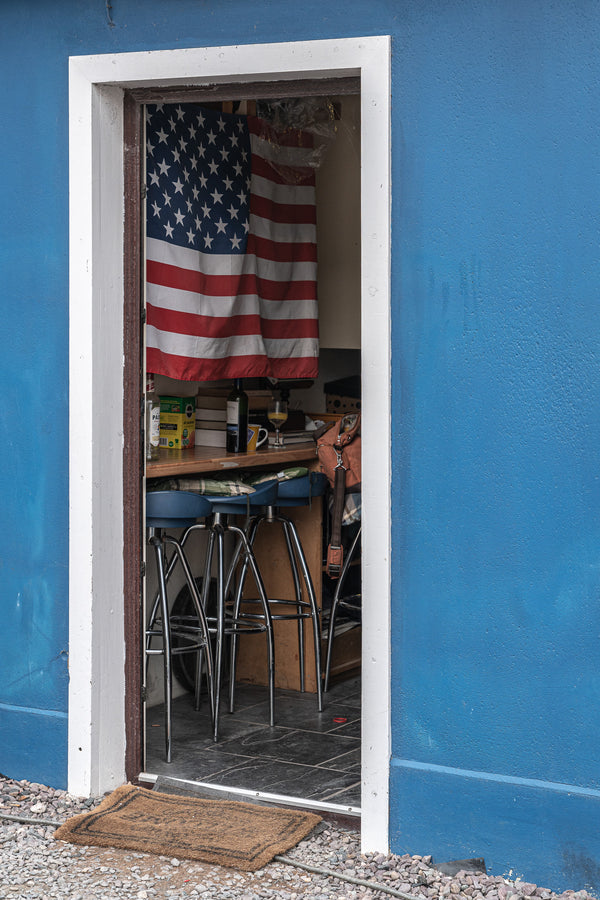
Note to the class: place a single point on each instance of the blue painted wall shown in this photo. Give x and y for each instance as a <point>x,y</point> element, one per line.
<point>496,269</point>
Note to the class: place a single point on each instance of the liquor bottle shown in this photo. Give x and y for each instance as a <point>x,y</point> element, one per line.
<point>237,419</point>
<point>152,419</point>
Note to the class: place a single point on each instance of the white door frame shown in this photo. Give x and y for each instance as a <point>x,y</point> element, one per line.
<point>97,648</point>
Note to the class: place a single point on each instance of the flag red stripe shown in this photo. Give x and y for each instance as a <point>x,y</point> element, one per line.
<point>280,251</point>
<point>283,212</point>
<point>227,285</point>
<point>208,369</point>
<point>229,326</point>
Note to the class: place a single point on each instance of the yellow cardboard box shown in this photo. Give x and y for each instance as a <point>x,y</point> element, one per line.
<point>177,422</point>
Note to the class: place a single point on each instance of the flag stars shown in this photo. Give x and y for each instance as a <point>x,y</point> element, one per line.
<point>169,230</point>
<point>233,212</point>
<point>211,137</point>
<point>167,198</point>
<point>156,208</point>
<point>191,236</point>
<point>178,185</point>
<point>179,216</point>
<point>221,226</point>
<point>217,197</point>
<point>235,242</point>
<point>162,136</point>
<point>154,177</point>
<point>206,211</point>
<point>214,167</point>
<point>164,168</point>
<point>208,241</point>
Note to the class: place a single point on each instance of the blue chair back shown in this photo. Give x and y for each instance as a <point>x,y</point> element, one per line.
<point>175,509</point>
<point>298,491</point>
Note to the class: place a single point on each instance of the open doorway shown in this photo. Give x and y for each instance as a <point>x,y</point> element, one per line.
<point>309,754</point>
<point>104,574</point>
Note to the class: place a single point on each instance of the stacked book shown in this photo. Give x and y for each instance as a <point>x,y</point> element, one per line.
<point>289,437</point>
<point>211,420</point>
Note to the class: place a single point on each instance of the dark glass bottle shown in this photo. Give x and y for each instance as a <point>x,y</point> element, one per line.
<point>237,419</point>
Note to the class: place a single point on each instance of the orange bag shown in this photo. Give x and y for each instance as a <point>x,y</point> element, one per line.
<point>339,452</point>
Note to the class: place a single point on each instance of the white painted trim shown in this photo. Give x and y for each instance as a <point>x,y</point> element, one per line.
<point>96,714</point>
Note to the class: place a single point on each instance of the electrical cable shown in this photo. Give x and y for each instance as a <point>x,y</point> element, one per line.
<point>29,821</point>
<point>361,882</point>
<point>314,870</point>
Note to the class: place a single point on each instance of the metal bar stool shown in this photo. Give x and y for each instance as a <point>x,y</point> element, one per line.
<point>177,634</point>
<point>293,493</point>
<point>224,624</point>
<point>236,625</point>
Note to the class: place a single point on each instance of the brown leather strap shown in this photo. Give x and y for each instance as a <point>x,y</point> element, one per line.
<point>335,553</point>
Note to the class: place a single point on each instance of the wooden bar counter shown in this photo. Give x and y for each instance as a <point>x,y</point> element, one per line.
<point>201,460</point>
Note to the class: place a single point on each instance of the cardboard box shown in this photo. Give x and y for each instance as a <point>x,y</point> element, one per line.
<point>340,405</point>
<point>177,422</point>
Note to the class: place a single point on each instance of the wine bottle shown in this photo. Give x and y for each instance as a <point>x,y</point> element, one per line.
<point>152,423</point>
<point>237,419</point>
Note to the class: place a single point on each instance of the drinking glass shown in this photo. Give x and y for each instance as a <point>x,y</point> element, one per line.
<point>277,414</point>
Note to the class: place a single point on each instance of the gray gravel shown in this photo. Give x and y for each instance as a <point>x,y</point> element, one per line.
<point>33,866</point>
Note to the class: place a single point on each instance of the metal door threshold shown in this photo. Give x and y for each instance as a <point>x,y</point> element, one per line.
<point>206,791</point>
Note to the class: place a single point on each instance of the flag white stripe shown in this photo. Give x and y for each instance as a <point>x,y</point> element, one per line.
<point>238,264</point>
<point>237,345</point>
<point>289,194</point>
<point>283,232</point>
<point>277,153</point>
<point>218,307</point>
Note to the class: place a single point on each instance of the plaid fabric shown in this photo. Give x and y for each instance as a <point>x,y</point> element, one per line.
<point>221,487</point>
<point>352,508</point>
<point>283,475</point>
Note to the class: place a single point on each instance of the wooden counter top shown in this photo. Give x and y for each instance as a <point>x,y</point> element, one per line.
<point>199,460</point>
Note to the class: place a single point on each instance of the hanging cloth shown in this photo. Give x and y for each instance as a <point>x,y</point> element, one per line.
<point>231,248</point>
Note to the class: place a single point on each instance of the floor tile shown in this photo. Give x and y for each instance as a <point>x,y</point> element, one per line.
<point>293,745</point>
<point>306,754</point>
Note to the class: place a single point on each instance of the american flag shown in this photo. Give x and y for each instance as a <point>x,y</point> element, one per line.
<point>231,249</point>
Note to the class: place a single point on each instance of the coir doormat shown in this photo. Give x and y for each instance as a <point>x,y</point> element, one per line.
<point>222,832</point>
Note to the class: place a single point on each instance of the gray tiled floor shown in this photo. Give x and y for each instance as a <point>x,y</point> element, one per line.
<point>306,754</point>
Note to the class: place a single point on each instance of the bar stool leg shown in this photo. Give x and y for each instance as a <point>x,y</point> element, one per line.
<point>298,593</point>
<point>288,524</point>
<point>334,606</point>
<point>245,542</point>
<point>200,613</point>
<point>157,543</point>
